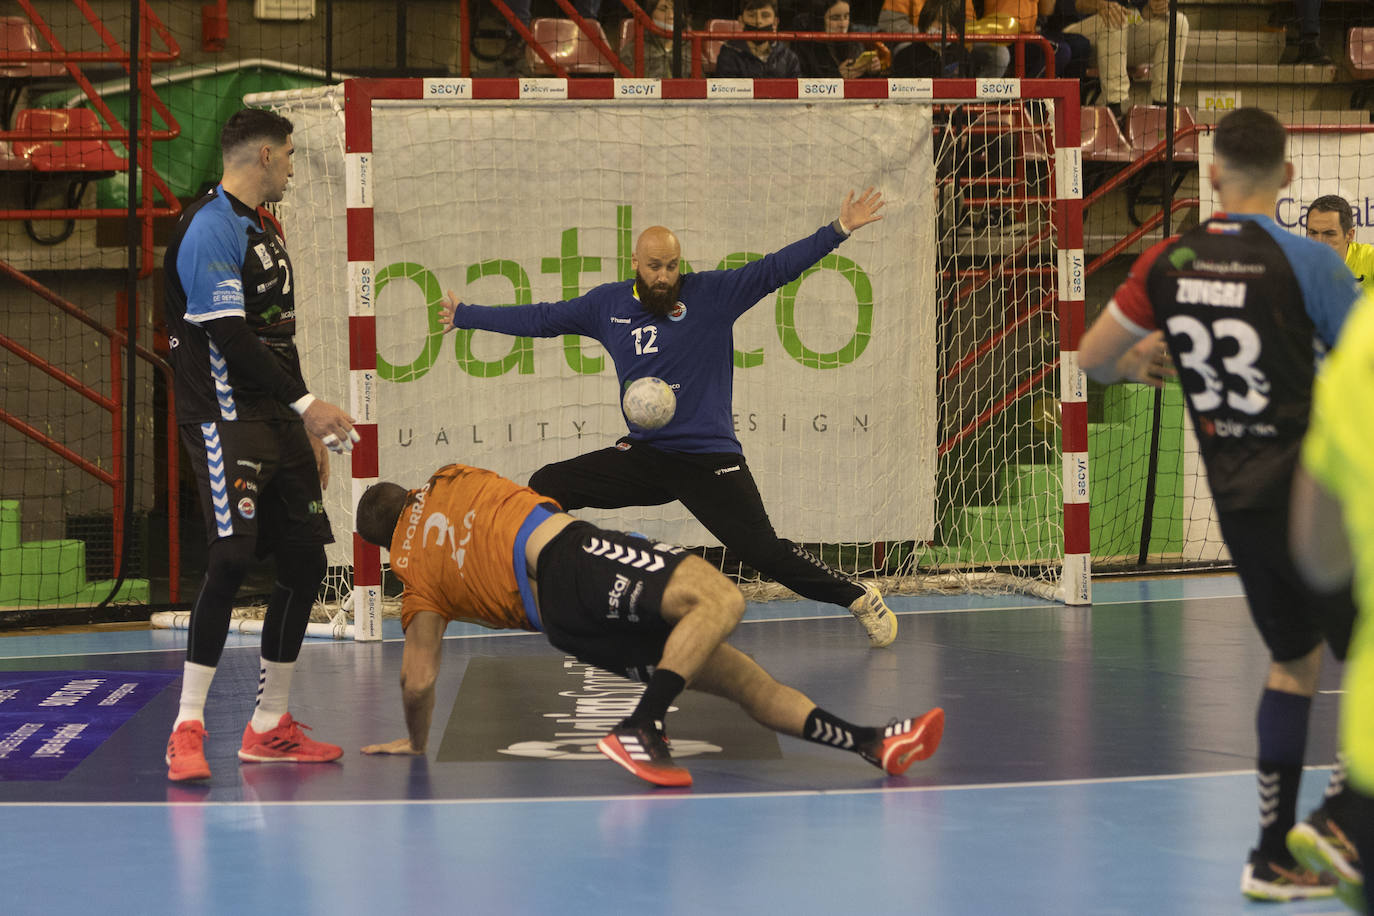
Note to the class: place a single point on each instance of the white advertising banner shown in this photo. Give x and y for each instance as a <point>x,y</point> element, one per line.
<point>517,202</point>
<point>1323,163</point>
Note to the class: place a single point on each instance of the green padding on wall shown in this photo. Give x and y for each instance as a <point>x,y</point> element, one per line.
<point>201,101</point>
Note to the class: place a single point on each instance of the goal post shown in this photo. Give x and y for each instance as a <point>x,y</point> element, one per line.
<point>911,407</point>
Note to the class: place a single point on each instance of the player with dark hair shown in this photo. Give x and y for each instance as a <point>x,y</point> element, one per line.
<point>255,435</point>
<point>1239,303</point>
<point>679,327</point>
<point>471,545</point>
<point>1331,222</point>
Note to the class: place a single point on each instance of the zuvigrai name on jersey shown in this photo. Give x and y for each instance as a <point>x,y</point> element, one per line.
<point>1224,293</point>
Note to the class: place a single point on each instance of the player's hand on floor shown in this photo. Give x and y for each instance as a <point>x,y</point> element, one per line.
<point>864,210</point>
<point>331,425</point>
<point>400,746</point>
<point>447,307</point>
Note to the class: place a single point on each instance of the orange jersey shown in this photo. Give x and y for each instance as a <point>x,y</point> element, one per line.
<point>453,548</point>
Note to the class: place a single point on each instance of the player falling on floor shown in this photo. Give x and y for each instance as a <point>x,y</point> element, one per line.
<point>1240,304</point>
<point>471,545</point>
<point>679,327</point>
<point>255,436</point>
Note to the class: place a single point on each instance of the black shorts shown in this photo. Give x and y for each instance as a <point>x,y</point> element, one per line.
<point>258,479</point>
<point>599,597</point>
<point>1291,617</point>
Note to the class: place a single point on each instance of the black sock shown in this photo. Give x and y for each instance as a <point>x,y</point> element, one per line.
<point>824,728</point>
<point>1282,726</point>
<point>663,687</point>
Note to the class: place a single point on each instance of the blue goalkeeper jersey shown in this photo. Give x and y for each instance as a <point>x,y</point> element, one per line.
<point>692,349</point>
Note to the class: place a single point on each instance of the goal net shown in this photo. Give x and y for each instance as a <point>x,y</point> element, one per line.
<point>900,405</point>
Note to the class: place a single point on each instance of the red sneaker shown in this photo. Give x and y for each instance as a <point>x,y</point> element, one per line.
<point>905,741</point>
<point>644,752</point>
<point>186,753</point>
<point>286,743</point>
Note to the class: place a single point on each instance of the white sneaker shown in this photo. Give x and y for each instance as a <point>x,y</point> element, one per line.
<point>877,618</point>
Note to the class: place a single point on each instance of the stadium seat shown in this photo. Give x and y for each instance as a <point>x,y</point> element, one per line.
<point>1102,140</point>
<point>1360,53</point>
<point>18,34</point>
<point>1145,128</point>
<point>710,50</point>
<point>571,49</point>
<point>72,162</point>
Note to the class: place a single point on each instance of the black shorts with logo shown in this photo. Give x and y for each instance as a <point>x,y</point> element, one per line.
<point>258,479</point>
<point>599,597</point>
<point>1291,617</point>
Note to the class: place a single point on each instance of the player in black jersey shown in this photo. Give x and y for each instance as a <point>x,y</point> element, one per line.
<point>1239,304</point>
<point>256,437</point>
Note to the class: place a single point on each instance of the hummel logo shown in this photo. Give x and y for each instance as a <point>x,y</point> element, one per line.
<point>720,472</point>
<point>620,321</point>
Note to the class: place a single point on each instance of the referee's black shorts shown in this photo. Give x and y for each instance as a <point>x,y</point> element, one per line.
<point>600,594</point>
<point>258,479</point>
<point>1291,617</point>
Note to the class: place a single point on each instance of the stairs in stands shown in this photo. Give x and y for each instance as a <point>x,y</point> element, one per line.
<point>51,572</point>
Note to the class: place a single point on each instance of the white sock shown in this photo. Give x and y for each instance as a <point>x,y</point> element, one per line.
<point>274,691</point>
<point>195,686</point>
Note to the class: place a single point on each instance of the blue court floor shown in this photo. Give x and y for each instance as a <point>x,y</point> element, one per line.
<point>1095,761</point>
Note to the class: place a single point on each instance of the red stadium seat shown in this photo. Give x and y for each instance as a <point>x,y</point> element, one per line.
<point>1360,49</point>
<point>1145,127</point>
<point>18,34</point>
<point>569,47</point>
<point>1102,140</point>
<point>62,155</point>
<point>74,163</point>
<point>710,50</point>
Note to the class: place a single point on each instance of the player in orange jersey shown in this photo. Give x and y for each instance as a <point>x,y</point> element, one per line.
<point>471,545</point>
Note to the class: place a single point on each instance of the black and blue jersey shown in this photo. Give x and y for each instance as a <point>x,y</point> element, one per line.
<point>231,314</point>
<point>692,349</point>
<point>1242,304</point>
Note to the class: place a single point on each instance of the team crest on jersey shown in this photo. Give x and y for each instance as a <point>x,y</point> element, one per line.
<point>247,508</point>
<point>622,446</point>
<point>678,313</point>
<point>264,255</point>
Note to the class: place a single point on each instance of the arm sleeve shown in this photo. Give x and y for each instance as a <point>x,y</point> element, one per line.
<point>1131,301</point>
<point>210,267</point>
<point>543,319</point>
<point>728,62</point>
<point>249,357</point>
<point>748,284</point>
<point>1329,290</point>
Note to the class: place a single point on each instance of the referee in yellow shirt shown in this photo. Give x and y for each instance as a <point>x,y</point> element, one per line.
<point>1332,539</point>
<point>1331,222</point>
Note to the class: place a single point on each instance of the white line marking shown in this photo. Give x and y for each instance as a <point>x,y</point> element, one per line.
<point>655,796</point>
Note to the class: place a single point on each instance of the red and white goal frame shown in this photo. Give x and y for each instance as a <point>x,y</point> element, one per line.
<point>1074,582</point>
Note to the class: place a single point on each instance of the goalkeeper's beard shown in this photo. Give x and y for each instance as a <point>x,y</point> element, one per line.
<point>661,301</point>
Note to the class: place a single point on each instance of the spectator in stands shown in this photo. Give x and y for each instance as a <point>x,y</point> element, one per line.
<point>767,58</point>
<point>1028,15</point>
<point>1331,222</point>
<point>1308,48</point>
<point>949,19</point>
<point>1125,33</point>
<point>843,59</point>
<point>658,51</point>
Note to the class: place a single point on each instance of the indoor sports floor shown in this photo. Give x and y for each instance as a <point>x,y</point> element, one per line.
<point>1095,761</point>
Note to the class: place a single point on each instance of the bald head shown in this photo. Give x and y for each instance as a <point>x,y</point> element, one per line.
<point>656,262</point>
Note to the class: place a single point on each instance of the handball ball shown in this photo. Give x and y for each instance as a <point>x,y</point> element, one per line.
<point>649,403</point>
